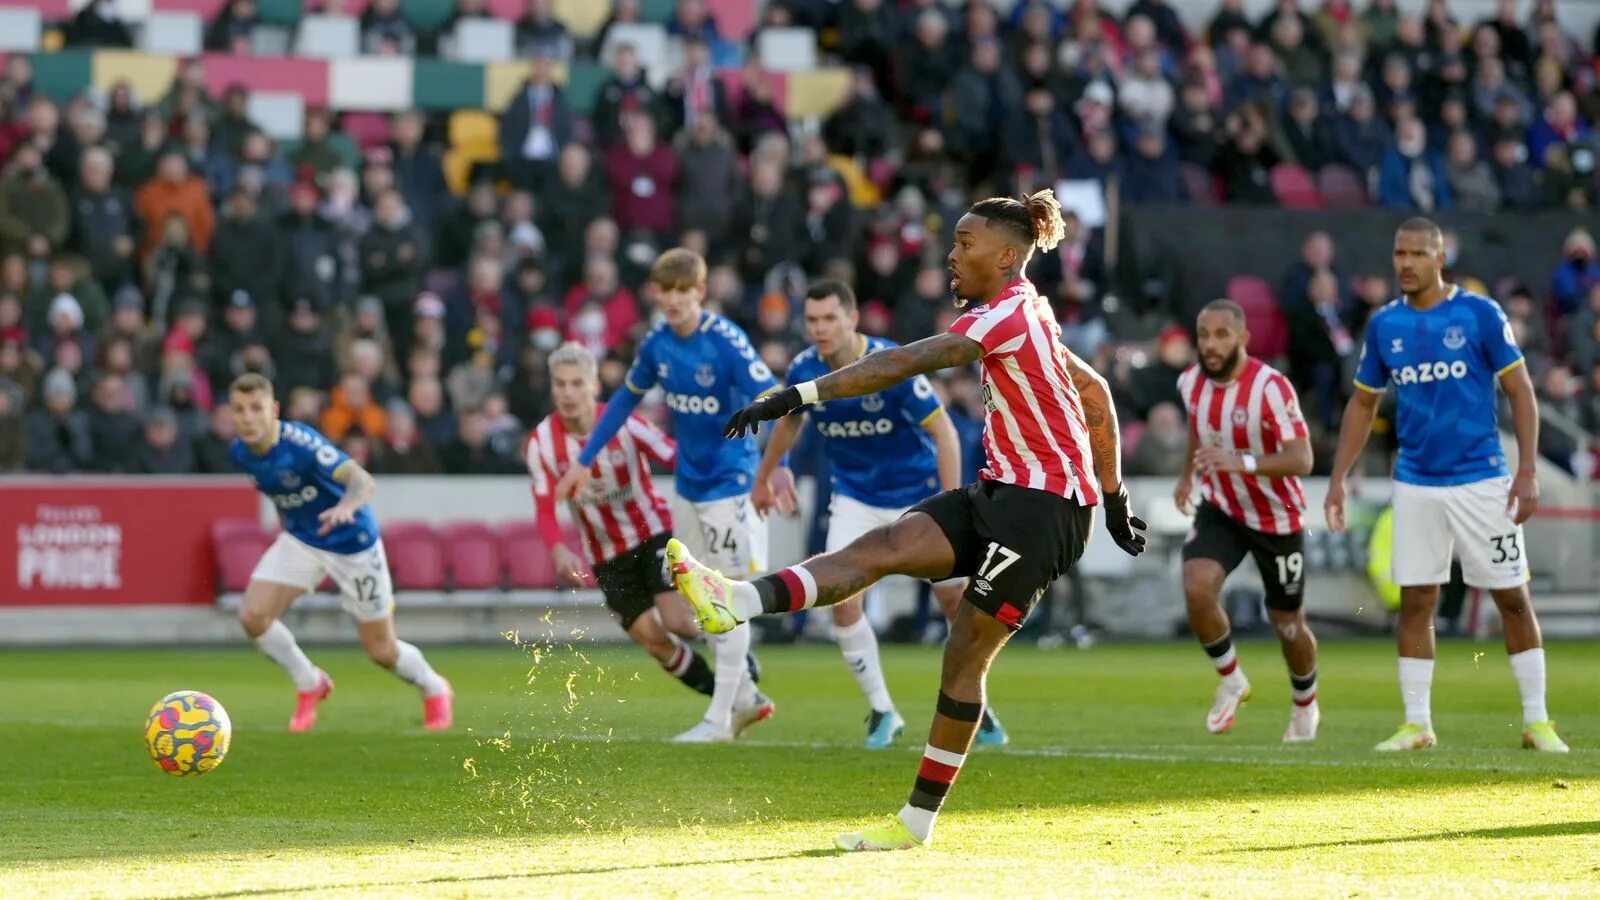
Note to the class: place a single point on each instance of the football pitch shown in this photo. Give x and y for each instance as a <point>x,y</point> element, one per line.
<point>556,781</point>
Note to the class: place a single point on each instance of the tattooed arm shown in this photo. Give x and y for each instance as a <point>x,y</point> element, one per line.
<point>1101,417</point>
<point>888,367</point>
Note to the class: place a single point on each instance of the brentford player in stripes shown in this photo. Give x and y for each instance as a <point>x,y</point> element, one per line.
<point>1049,419</point>
<point>1248,445</point>
<point>624,523</point>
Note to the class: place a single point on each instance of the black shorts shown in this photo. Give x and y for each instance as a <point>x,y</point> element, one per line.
<point>1280,557</point>
<point>1012,542</point>
<point>631,581</point>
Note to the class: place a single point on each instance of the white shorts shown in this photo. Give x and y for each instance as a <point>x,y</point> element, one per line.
<point>1433,523</point>
<point>849,518</point>
<point>730,538</point>
<point>363,578</point>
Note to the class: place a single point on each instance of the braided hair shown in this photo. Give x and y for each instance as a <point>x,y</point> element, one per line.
<point>1035,219</point>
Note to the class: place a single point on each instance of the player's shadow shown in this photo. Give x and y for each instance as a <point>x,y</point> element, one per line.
<point>508,876</point>
<point>1545,830</point>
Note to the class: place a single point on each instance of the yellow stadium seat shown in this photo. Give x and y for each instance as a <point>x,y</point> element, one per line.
<point>817,92</point>
<point>474,130</point>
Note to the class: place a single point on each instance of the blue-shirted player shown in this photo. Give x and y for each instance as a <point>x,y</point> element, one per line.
<point>707,369</point>
<point>889,451</point>
<point>328,531</point>
<point>1442,350</point>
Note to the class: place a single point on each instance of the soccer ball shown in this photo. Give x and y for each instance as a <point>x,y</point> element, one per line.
<point>187,733</point>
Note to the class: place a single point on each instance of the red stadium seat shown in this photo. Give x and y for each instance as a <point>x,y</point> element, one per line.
<point>1293,187</point>
<point>367,129</point>
<point>1342,187</point>
<point>416,558</point>
<point>1269,329</point>
<point>528,565</point>
<point>1202,186</point>
<point>237,545</point>
<point>471,555</point>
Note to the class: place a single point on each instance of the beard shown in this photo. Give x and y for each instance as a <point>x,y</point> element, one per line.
<point>1229,363</point>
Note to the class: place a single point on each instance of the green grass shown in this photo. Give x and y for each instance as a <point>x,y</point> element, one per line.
<point>556,781</point>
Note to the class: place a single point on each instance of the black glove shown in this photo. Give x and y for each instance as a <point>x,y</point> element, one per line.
<point>1126,530</point>
<point>775,405</point>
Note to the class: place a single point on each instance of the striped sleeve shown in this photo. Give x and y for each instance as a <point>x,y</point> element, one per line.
<point>536,467</point>
<point>652,440</point>
<point>1001,329</point>
<point>1282,411</point>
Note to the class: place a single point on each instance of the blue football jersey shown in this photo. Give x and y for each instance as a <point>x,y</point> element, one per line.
<point>297,473</point>
<point>707,377</point>
<point>1443,364</point>
<point>881,454</point>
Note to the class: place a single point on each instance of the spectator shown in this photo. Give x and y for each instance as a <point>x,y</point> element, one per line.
<point>231,30</point>
<point>113,427</point>
<point>1296,57</point>
<point>693,92</point>
<point>58,439</point>
<point>1259,82</point>
<point>642,173</point>
<point>1591,401</point>
<point>1152,171</point>
<point>626,90</point>
<point>427,397</point>
<point>1305,135</point>
<point>1490,88</point>
<point>1411,176</point>
<point>983,96</point>
<point>98,24</point>
<point>175,192</point>
<point>418,169</point>
<point>860,127</point>
<point>351,407</point>
<point>1319,344</point>
<point>103,224</point>
<point>1577,274</point>
<point>1145,94</point>
<point>756,115</point>
<point>1040,139</point>
<point>13,432</point>
<point>1163,446</point>
<point>21,365</point>
<point>63,324</point>
<point>599,311</point>
<point>709,182</point>
<point>1194,125</point>
<point>370,359</point>
<point>1560,126</point>
<point>35,217</point>
<point>58,148</point>
<point>925,65</point>
<point>1559,395</point>
<point>247,254</point>
<point>1472,182</point>
<point>211,455</point>
<point>1246,159</point>
<point>394,257</point>
<point>1361,137</point>
<point>1518,186</point>
<point>223,349</point>
<point>164,449</point>
<point>1344,82</point>
<point>829,232</point>
<point>385,31</point>
<point>534,128</point>
<point>472,453</point>
<point>128,323</point>
<point>540,35</point>
<point>173,270</point>
<point>11,325</point>
<point>771,215</point>
<point>404,450</point>
<point>319,150</point>
<point>304,351</point>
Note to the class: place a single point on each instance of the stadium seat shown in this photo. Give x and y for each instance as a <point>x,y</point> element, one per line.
<point>472,555</point>
<point>425,15</point>
<point>20,29</point>
<point>328,37</point>
<point>237,545</point>
<point>787,49</point>
<point>474,129</point>
<point>367,129</point>
<point>815,94</point>
<point>1269,329</point>
<point>736,19</point>
<point>280,12</point>
<point>1293,187</point>
<point>271,41</point>
<point>416,558</point>
<point>280,114</point>
<point>1342,187</point>
<point>174,33</point>
<point>481,41</point>
<point>527,560</point>
<point>147,74</point>
<point>370,82</point>
<point>1202,186</point>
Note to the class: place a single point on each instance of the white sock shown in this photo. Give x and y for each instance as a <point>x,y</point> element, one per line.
<point>1416,688</point>
<point>859,644</point>
<point>732,673</point>
<point>278,643</point>
<point>1528,668</point>
<point>918,821</point>
<point>745,602</point>
<point>410,666</point>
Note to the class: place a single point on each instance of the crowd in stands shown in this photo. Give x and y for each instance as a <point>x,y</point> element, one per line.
<point>154,248</point>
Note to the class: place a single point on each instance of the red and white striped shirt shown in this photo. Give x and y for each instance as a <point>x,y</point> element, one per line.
<point>1256,413</point>
<point>1034,435</point>
<point>620,509</point>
